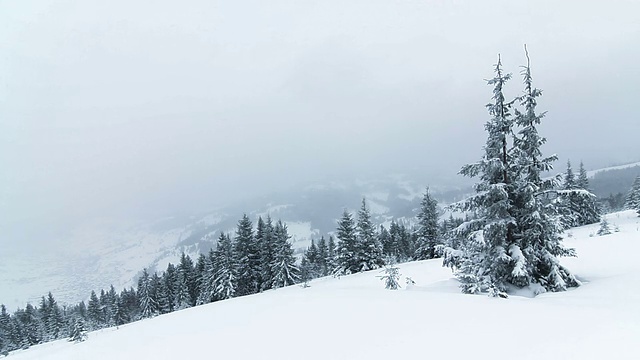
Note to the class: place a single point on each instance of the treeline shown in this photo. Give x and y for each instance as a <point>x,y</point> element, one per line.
<point>254,260</point>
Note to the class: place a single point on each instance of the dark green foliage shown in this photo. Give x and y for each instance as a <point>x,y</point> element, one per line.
<point>189,276</point>
<point>427,235</point>
<point>248,258</point>
<point>94,312</point>
<point>266,249</point>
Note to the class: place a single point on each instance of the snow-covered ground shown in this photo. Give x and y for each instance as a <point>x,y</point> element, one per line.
<point>354,317</point>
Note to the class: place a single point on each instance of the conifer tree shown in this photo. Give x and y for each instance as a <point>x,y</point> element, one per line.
<point>248,258</point>
<point>323,255</point>
<point>306,273</point>
<point>578,205</point>
<point>78,331</point>
<point>182,298</point>
<point>389,248</point>
<point>537,245</point>
<point>427,237</point>
<point>587,201</point>
<point>391,277</point>
<point>347,247</point>
<point>5,321</point>
<point>369,249</point>
<point>170,279</point>
<point>120,316</point>
<point>604,228</point>
<point>266,244</point>
<point>632,201</point>
<point>55,323</point>
<point>34,328</point>
<point>161,295</point>
<point>332,256</point>
<point>148,305</point>
<point>207,283</point>
<point>285,272</point>
<point>485,262</point>
<point>94,312</point>
<point>187,269</point>
<point>226,278</point>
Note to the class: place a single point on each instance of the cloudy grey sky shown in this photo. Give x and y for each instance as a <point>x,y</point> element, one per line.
<point>142,108</point>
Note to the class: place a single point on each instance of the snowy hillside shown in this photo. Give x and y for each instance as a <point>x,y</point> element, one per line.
<point>354,317</point>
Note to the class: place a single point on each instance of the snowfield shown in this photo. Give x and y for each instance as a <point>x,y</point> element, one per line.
<point>354,317</point>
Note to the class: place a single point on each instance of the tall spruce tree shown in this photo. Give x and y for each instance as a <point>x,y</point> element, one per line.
<point>632,201</point>
<point>323,255</point>
<point>587,201</point>
<point>485,263</point>
<point>266,244</point>
<point>148,304</point>
<point>94,312</point>
<point>187,269</point>
<point>226,278</point>
<point>537,245</point>
<point>369,249</point>
<point>427,235</point>
<point>347,261</point>
<point>284,269</point>
<point>248,258</point>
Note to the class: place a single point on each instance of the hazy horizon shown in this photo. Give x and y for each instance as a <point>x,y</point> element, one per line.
<point>133,109</point>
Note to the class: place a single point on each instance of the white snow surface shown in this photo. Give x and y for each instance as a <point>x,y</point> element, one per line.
<point>354,317</point>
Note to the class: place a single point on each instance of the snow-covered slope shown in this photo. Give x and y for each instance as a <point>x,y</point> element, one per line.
<point>354,317</point>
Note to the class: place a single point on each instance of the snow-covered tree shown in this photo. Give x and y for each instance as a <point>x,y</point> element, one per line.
<point>368,247</point>
<point>94,312</point>
<point>148,305</point>
<point>265,244</point>
<point>323,256</point>
<point>604,228</point>
<point>207,280</point>
<point>347,247</point>
<point>226,278</point>
<point>513,238</point>
<point>284,269</point>
<point>187,269</point>
<point>248,258</point>
<point>485,261</point>
<point>332,256</point>
<point>427,236</point>
<point>182,298</point>
<point>537,244</point>
<point>78,331</point>
<point>391,277</point>
<point>578,206</point>
<point>632,201</point>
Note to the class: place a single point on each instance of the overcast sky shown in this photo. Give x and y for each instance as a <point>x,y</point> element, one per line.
<point>142,108</point>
